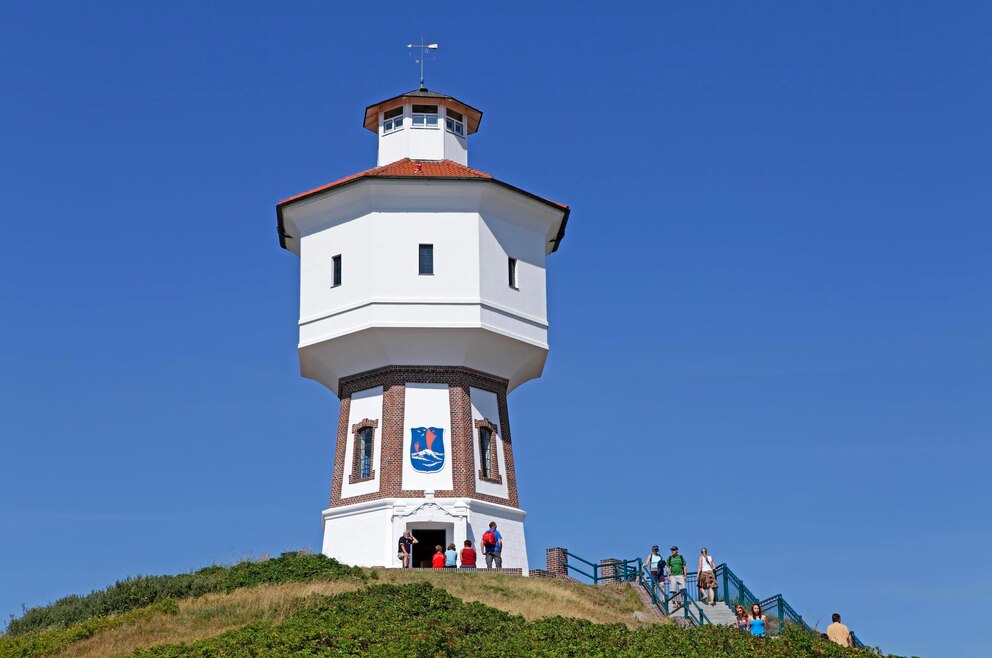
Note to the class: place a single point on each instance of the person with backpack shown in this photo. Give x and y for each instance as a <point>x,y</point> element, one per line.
<point>492,546</point>
<point>676,574</point>
<point>655,564</point>
<point>706,575</point>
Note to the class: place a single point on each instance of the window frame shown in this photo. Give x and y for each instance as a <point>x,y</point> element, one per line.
<point>454,122</point>
<point>363,470</point>
<point>511,265</point>
<point>336,271</point>
<point>392,123</point>
<point>420,259</point>
<point>488,464</point>
<point>486,452</point>
<point>366,446</point>
<point>425,117</point>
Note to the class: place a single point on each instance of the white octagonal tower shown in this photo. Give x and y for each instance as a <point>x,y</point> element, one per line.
<point>422,305</point>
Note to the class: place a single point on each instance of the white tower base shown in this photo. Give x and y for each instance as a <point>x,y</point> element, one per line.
<point>351,530</point>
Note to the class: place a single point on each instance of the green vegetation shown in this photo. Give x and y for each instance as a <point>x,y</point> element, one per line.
<point>141,591</point>
<point>43,644</point>
<point>422,620</point>
<point>308,605</point>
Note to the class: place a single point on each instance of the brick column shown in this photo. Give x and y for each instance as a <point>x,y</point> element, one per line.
<point>608,568</point>
<point>557,562</point>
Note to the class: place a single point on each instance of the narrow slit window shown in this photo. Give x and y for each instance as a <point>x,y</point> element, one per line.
<point>427,259</point>
<point>365,453</point>
<point>486,452</point>
<point>336,274</point>
<point>512,270</point>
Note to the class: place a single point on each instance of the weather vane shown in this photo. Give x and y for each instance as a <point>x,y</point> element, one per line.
<point>424,48</point>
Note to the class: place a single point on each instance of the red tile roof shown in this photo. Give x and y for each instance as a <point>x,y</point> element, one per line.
<point>405,168</point>
<point>430,169</point>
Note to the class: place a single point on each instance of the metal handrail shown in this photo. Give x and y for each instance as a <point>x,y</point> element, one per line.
<point>622,570</point>
<point>635,571</point>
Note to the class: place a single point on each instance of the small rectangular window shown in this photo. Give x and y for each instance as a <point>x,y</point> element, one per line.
<point>512,267</point>
<point>425,116</point>
<point>427,259</point>
<point>392,120</point>
<point>454,122</point>
<point>337,270</point>
<point>392,125</point>
<point>486,451</point>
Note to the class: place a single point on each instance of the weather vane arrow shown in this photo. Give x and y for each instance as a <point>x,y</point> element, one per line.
<point>424,49</point>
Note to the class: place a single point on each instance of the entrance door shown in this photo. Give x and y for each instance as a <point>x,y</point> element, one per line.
<point>424,549</point>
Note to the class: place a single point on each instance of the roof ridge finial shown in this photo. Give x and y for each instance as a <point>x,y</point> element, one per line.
<point>424,47</point>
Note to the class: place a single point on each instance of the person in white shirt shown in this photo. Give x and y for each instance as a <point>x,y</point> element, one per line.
<point>706,575</point>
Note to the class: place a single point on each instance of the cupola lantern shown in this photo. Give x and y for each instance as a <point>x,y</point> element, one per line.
<point>422,125</point>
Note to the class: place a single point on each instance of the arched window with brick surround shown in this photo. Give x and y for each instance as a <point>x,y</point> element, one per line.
<point>364,451</point>
<point>488,455</point>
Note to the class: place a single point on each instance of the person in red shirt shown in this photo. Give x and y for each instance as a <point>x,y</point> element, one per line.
<point>468,555</point>
<point>438,560</point>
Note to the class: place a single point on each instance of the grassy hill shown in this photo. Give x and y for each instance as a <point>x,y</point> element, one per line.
<point>308,605</point>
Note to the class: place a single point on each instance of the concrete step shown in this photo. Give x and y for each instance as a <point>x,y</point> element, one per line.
<point>720,614</point>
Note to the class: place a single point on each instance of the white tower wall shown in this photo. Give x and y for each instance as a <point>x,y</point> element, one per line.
<point>473,316</point>
<point>418,355</point>
<point>366,534</point>
<point>421,142</point>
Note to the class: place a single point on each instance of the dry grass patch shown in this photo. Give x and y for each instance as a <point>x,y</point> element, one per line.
<point>205,617</point>
<point>534,598</point>
<point>210,615</point>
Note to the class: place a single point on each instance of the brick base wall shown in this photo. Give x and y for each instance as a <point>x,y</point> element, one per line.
<point>393,379</point>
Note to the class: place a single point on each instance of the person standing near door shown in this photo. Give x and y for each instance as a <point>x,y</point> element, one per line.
<point>492,546</point>
<point>405,554</point>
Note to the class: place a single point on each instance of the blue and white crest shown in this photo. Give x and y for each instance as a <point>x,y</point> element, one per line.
<point>427,449</point>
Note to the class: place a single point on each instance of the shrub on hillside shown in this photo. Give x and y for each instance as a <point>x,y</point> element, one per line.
<point>140,591</point>
<point>31,645</point>
<point>420,620</point>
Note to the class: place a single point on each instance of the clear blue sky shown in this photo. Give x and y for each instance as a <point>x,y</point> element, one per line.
<point>770,319</point>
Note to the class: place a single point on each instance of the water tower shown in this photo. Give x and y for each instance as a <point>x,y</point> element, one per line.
<point>422,306</point>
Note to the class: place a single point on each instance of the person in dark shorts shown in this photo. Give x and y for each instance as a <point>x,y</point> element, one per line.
<point>405,549</point>
<point>655,564</point>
